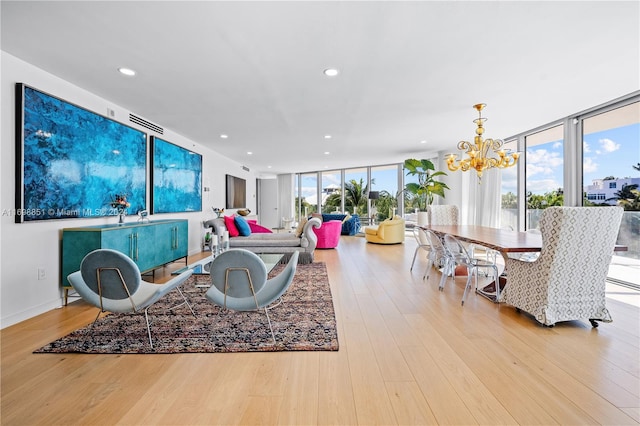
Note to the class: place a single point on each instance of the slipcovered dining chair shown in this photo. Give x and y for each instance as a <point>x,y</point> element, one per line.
<point>422,240</point>
<point>112,282</point>
<point>457,255</point>
<point>445,215</point>
<point>239,282</point>
<point>567,281</point>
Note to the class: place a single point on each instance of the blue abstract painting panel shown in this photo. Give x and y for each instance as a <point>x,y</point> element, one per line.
<point>177,178</point>
<point>76,161</point>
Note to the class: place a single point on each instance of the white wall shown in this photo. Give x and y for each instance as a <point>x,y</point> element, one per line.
<point>26,247</point>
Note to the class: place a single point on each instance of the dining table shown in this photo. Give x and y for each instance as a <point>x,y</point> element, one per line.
<point>505,241</point>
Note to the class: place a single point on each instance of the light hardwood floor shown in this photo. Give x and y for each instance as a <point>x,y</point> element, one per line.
<point>409,354</point>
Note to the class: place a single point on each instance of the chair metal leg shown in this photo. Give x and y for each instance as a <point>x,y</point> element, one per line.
<point>426,271</point>
<point>183,303</point>
<point>146,318</point>
<point>273,336</point>
<point>415,254</point>
<point>468,285</point>
<point>90,329</point>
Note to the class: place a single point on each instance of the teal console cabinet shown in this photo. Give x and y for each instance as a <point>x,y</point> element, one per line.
<point>150,245</point>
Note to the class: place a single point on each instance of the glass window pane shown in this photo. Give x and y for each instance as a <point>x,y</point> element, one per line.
<point>611,175</point>
<point>331,195</point>
<point>384,181</point>
<point>355,187</point>
<point>509,192</point>
<point>544,172</point>
<point>309,194</point>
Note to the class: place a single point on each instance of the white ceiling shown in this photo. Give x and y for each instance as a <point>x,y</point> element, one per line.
<point>410,71</point>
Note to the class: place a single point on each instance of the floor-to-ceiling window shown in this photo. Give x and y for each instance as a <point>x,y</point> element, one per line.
<point>611,176</point>
<point>356,191</point>
<point>544,181</point>
<point>384,182</point>
<point>509,192</point>
<point>331,195</point>
<point>308,194</point>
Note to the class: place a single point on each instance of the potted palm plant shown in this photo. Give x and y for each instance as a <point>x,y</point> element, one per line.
<point>426,188</point>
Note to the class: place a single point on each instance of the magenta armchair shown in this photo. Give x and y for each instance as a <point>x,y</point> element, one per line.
<point>328,234</point>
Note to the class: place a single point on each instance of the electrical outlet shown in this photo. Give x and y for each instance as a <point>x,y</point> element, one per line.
<point>42,274</point>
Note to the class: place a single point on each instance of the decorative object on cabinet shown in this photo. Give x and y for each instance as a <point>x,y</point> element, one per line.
<point>176,178</point>
<point>150,245</point>
<point>73,180</point>
<point>120,204</point>
<point>244,212</point>
<point>218,211</point>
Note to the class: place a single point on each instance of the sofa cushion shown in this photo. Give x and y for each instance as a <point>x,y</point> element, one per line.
<point>326,217</point>
<point>300,227</point>
<point>243,226</point>
<point>230,223</point>
<point>257,228</point>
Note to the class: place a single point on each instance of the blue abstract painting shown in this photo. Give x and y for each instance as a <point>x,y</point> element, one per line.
<point>177,178</point>
<point>75,161</point>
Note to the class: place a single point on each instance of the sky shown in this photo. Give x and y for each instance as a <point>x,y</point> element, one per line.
<point>607,153</point>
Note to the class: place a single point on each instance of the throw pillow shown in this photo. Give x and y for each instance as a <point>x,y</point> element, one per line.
<point>300,227</point>
<point>231,226</point>
<point>243,226</point>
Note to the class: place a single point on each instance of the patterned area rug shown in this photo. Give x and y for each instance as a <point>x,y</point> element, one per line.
<point>304,321</point>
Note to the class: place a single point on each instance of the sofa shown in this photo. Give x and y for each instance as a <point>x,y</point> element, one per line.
<point>304,240</point>
<point>328,234</point>
<point>350,223</point>
<point>389,231</point>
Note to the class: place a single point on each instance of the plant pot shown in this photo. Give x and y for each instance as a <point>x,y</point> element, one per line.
<point>423,218</point>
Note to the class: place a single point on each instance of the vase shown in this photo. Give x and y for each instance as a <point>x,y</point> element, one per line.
<point>423,218</point>
<point>121,216</point>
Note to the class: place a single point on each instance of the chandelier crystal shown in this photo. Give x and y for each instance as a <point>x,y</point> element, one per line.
<point>482,154</point>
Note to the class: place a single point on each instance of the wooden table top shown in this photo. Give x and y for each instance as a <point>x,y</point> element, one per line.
<point>503,240</point>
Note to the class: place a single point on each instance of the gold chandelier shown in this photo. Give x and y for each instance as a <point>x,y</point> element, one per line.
<point>480,157</point>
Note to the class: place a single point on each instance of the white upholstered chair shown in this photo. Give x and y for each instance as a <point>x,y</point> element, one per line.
<point>239,283</point>
<point>445,215</point>
<point>567,281</point>
<point>112,282</point>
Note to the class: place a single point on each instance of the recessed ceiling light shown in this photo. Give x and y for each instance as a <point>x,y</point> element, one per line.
<point>327,136</point>
<point>331,72</point>
<point>423,141</point>
<point>327,153</point>
<point>127,71</point>
<point>249,153</point>
<point>268,167</point>
<point>223,136</point>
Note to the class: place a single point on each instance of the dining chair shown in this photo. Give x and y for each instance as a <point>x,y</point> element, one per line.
<point>568,280</point>
<point>437,257</point>
<point>239,283</point>
<point>112,282</point>
<point>458,255</point>
<point>422,240</point>
<point>447,214</point>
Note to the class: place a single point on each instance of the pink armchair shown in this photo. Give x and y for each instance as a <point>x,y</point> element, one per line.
<point>328,234</point>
